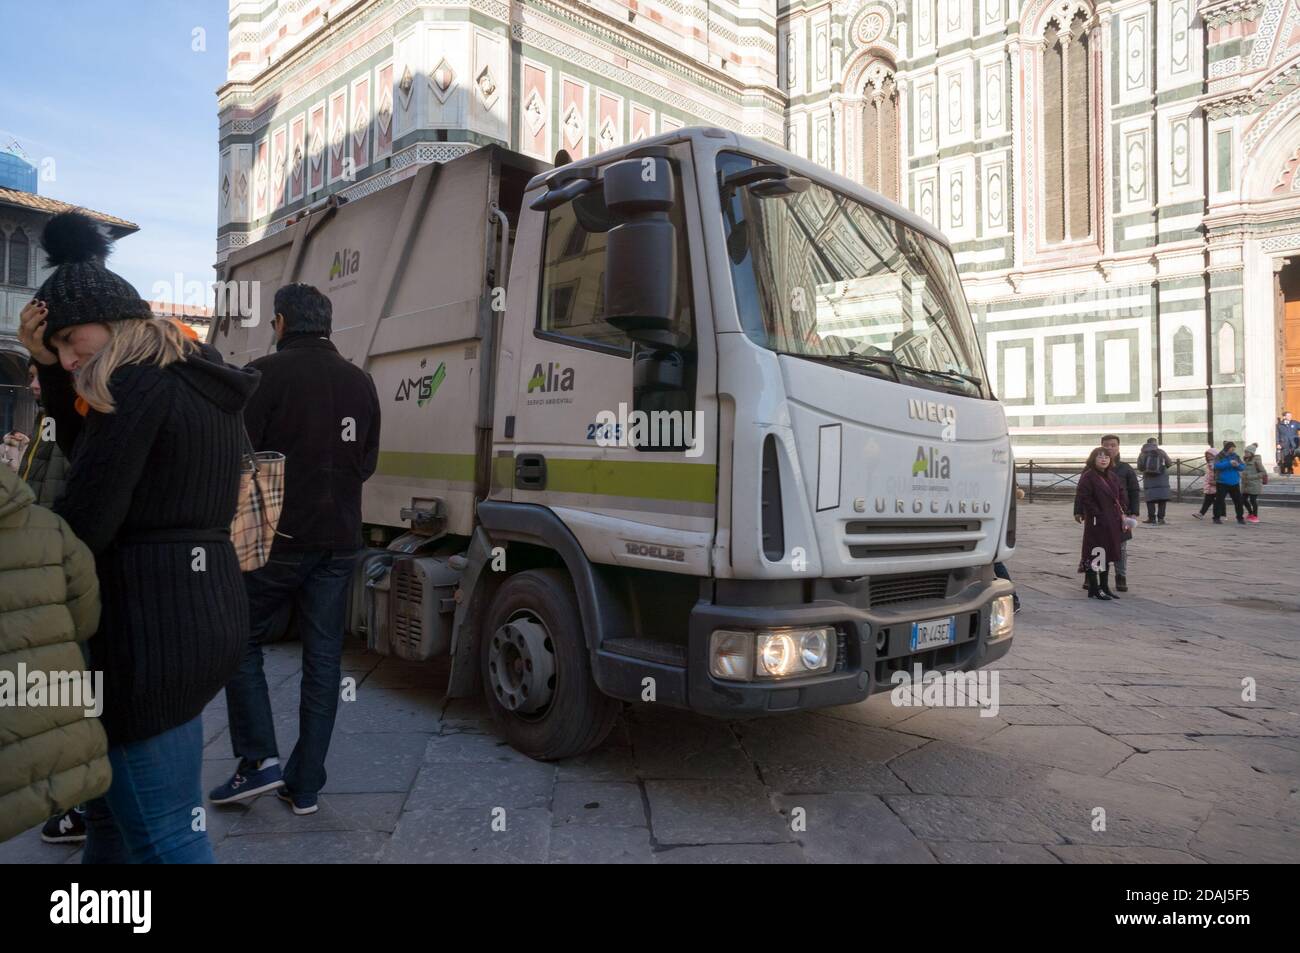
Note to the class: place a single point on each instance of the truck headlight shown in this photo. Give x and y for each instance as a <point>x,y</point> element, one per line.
<point>771,653</point>
<point>1002,618</point>
<point>731,655</point>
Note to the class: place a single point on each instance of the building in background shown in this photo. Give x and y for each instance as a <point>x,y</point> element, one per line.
<point>23,215</point>
<point>197,319</point>
<point>15,171</point>
<point>1117,177</point>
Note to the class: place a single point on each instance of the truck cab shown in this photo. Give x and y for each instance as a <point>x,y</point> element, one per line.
<point>724,440</point>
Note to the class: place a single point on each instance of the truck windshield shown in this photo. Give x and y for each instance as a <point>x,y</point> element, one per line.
<point>822,276</point>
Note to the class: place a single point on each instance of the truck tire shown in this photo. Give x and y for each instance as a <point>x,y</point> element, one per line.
<point>536,670</point>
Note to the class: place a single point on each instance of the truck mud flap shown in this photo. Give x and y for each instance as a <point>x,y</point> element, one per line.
<point>639,678</point>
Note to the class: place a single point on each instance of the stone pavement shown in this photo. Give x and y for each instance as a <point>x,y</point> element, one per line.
<point>1135,708</point>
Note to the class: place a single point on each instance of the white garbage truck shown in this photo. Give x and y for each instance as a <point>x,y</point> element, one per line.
<point>692,422</point>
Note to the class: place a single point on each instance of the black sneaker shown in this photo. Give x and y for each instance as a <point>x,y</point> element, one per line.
<point>247,781</point>
<point>301,803</point>
<point>68,828</point>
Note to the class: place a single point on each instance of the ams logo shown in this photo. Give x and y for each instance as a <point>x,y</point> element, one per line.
<point>421,389</point>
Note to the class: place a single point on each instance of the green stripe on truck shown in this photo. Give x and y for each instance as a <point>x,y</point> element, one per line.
<point>688,482</point>
<point>427,466</point>
<point>649,480</point>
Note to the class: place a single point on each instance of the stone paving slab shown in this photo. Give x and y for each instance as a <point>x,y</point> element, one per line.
<point>1135,708</point>
<point>713,812</point>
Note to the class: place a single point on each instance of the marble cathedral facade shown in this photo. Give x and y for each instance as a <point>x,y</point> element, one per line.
<point>1118,178</point>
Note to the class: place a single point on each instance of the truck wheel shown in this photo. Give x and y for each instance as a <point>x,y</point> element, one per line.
<point>536,671</point>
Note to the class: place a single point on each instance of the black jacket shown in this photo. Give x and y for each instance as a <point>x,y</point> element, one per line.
<point>44,467</point>
<point>151,491</point>
<point>1288,434</point>
<point>307,391</point>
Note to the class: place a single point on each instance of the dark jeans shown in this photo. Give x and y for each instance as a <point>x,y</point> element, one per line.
<point>1206,502</point>
<point>1000,570</point>
<point>317,582</point>
<point>1252,503</point>
<point>149,814</point>
<point>1156,509</point>
<point>1221,506</point>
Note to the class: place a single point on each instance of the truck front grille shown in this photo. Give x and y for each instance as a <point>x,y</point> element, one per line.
<point>888,590</point>
<point>868,539</point>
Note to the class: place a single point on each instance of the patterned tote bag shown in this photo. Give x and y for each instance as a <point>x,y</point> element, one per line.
<point>261,495</point>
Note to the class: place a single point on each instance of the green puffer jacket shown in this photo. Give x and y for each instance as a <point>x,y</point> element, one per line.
<point>51,757</point>
<point>44,467</point>
<point>1252,478</point>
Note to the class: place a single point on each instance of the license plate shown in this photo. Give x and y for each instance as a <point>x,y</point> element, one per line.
<point>933,633</point>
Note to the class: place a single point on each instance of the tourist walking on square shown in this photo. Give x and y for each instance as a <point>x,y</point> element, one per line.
<point>1228,469</point>
<point>322,412</point>
<point>1209,487</point>
<point>1130,500</point>
<point>1100,503</point>
<point>1154,464</point>
<point>1288,442</point>
<point>1253,478</point>
<point>150,422</point>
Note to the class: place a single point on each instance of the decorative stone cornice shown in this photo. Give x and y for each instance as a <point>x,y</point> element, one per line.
<point>1240,105</point>
<point>1278,86</point>
<point>1221,14</point>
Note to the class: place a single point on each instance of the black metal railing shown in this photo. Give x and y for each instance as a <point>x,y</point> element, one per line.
<point>1053,481</point>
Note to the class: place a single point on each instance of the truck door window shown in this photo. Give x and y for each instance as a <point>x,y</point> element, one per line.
<point>572,306</point>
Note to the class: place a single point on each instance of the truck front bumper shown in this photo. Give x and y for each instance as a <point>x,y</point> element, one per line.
<point>873,643</point>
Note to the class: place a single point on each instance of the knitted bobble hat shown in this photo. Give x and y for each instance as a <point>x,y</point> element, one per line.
<point>81,290</point>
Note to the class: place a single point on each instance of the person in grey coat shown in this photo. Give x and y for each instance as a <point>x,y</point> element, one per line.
<point>1153,464</point>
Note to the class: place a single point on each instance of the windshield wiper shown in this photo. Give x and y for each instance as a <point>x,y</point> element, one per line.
<point>951,375</point>
<point>855,359</point>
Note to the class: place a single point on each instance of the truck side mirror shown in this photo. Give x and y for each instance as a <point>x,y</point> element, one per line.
<point>641,252</point>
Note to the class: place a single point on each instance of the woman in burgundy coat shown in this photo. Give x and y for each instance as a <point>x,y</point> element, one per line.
<point>1099,495</point>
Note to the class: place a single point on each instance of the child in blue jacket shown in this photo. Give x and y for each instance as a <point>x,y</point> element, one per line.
<point>1227,471</point>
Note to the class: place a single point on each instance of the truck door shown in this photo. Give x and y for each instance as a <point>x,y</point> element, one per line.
<point>618,439</point>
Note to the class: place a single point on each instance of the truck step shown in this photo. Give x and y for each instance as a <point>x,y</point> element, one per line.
<point>666,653</point>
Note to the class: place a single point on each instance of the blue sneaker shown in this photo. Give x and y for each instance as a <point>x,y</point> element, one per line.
<point>247,781</point>
<point>301,803</point>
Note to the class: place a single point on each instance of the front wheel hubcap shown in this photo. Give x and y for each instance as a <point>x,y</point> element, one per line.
<point>521,666</point>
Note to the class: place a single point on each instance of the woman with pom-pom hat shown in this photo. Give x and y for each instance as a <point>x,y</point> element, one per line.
<point>154,456</point>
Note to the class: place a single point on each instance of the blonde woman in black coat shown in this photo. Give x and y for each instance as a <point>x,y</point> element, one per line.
<point>151,425</point>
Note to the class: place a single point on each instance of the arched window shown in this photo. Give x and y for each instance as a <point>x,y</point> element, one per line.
<point>19,258</point>
<point>880,131</point>
<point>1183,358</point>
<point>1067,129</point>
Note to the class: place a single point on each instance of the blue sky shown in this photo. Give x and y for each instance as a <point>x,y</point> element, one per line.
<point>117,96</point>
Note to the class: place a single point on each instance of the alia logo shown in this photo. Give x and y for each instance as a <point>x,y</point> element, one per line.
<point>550,378</point>
<point>930,464</point>
<point>422,388</point>
<point>346,262</point>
